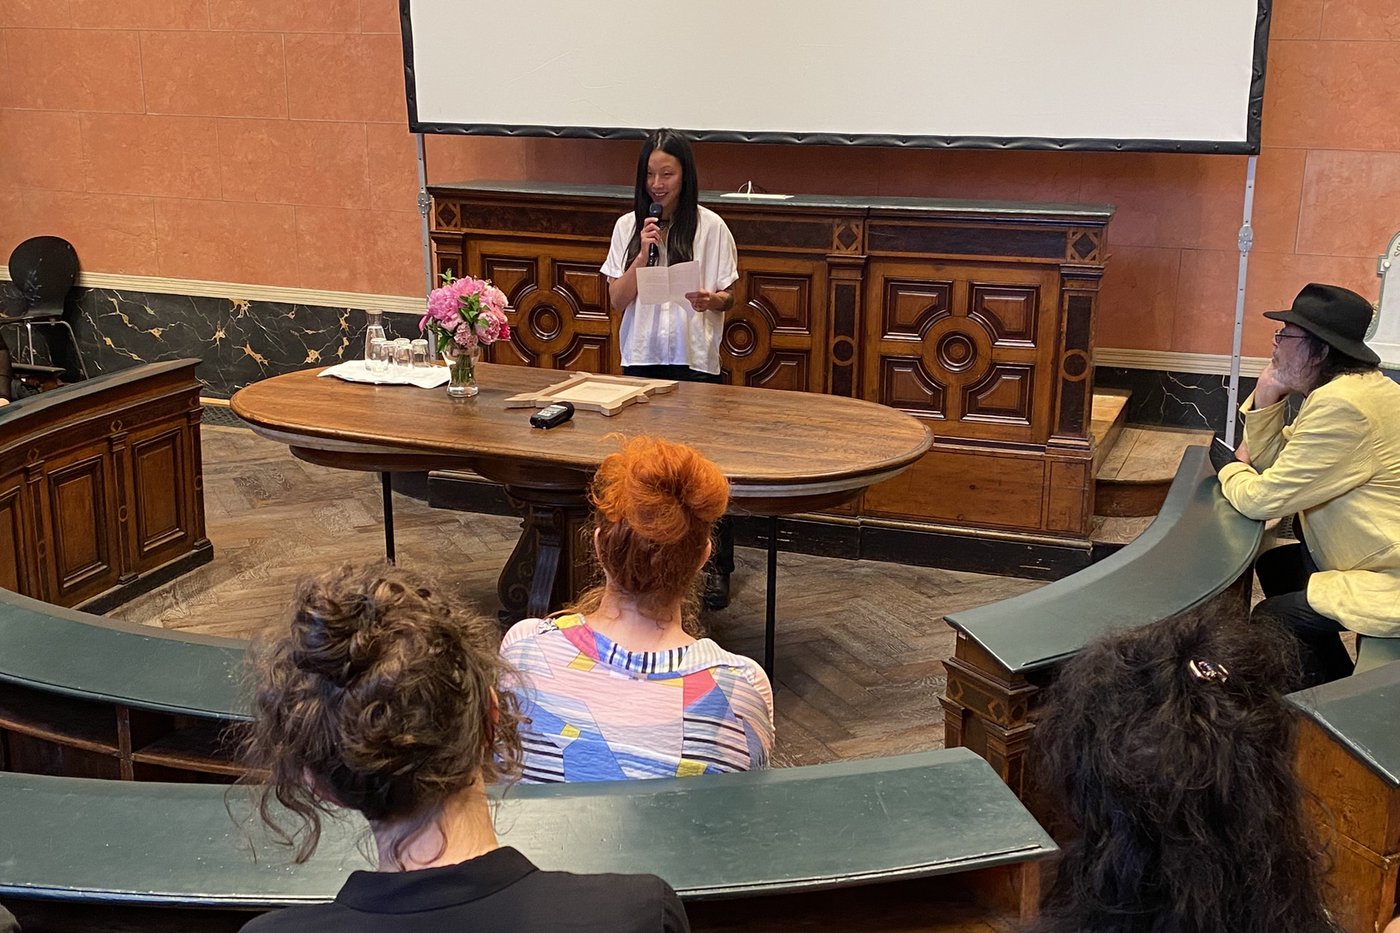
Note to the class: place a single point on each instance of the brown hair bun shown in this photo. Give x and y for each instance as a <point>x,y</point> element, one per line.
<point>379,697</point>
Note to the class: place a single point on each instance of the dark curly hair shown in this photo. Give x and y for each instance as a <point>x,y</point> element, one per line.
<point>379,697</point>
<point>1171,750</point>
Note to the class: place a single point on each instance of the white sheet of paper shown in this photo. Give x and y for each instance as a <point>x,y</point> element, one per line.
<point>685,277</point>
<point>658,284</point>
<point>653,285</point>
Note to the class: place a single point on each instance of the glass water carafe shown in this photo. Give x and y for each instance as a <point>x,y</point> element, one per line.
<point>373,331</point>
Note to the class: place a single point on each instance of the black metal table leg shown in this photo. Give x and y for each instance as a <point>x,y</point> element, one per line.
<point>770,616</point>
<point>388,488</point>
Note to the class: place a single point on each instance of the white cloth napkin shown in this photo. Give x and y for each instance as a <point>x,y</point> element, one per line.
<point>424,377</point>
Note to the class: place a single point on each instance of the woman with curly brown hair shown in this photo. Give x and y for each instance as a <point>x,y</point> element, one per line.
<point>382,698</point>
<point>620,686</point>
<point>1171,751</point>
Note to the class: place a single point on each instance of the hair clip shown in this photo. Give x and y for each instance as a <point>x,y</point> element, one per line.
<point>1208,671</point>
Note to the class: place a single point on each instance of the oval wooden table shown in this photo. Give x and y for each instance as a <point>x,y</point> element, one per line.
<point>783,452</point>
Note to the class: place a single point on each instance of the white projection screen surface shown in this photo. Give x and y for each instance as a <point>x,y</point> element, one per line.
<point>1185,75</point>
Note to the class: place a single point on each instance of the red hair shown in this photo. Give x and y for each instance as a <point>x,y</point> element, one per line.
<point>656,504</point>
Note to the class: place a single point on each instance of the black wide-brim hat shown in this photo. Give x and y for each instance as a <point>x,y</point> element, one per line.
<point>1337,316</point>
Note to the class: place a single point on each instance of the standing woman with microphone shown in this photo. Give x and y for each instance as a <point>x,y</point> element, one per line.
<point>675,339</point>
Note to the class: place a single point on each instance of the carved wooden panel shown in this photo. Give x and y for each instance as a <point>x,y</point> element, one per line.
<point>784,369</point>
<point>15,574</point>
<point>907,385</point>
<point>962,344</point>
<point>910,308</point>
<point>161,506</point>
<point>1002,396</point>
<point>81,503</point>
<point>786,300</point>
<point>560,317</point>
<point>510,275</point>
<point>1008,313</point>
<point>772,335</point>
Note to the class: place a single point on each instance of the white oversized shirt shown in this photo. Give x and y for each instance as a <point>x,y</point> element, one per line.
<point>673,333</point>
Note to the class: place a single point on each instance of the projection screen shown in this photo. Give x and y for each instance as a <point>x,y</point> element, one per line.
<point>1186,76</point>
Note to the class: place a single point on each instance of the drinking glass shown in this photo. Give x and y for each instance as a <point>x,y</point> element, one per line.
<point>379,352</point>
<point>420,352</point>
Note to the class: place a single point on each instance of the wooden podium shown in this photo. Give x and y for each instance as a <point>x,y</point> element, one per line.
<point>975,317</point>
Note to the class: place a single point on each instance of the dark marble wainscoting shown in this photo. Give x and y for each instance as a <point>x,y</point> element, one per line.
<point>240,341</point>
<point>1174,399</point>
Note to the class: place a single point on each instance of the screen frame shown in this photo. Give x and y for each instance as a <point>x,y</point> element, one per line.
<point>1249,146</point>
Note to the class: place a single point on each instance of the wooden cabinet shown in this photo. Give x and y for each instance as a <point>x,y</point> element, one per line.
<point>100,486</point>
<point>976,317</point>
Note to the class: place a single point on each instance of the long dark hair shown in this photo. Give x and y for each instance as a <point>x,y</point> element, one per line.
<point>1335,363</point>
<point>680,241</point>
<point>1171,750</point>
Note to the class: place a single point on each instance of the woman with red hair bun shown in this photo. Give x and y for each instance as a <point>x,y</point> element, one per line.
<point>619,686</point>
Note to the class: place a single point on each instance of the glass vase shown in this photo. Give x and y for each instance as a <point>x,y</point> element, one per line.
<point>461,371</point>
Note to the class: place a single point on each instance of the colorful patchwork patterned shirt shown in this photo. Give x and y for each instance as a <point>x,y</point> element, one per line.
<point>598,712</point>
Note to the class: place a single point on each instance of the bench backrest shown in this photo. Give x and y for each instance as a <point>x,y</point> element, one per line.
<point>791,829</point>
<point>1372,652</point>
<point>81,655</point>
<point>1196,547</point>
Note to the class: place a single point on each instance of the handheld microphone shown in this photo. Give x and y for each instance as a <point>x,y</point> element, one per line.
<point>652,254</point>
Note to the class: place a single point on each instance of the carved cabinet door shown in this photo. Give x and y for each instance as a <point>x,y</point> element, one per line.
<point>775,335</point>
<point>84,553</point>
<point>561,316</point>
<point>161,521</point>
<point>961,345</point>
<point>18,562</point>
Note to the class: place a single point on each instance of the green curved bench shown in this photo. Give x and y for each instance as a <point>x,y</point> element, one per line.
<point>712,837</point>
<point>91,697</point>
<point>1197,552</point>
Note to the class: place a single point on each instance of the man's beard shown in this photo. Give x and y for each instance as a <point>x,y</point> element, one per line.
<point>1298,374</point>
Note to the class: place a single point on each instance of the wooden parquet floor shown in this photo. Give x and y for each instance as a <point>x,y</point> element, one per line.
<point>859,643</point>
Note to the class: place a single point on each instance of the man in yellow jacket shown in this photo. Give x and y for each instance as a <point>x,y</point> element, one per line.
<point>1337,466</point>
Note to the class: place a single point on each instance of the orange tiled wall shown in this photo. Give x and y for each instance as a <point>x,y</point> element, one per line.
<point>265,142</point>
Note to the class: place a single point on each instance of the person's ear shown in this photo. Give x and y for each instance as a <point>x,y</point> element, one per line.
<point>704,558</point>
<point>320,789</point>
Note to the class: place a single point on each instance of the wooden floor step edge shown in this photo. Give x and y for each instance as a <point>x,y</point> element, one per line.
<point>1134,479</point>
<point>1108,414</point>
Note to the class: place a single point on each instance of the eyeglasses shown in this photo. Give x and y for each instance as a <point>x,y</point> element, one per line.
<point>1280,335</point>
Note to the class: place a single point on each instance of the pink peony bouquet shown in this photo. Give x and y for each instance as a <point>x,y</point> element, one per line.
<point>465,314</point>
